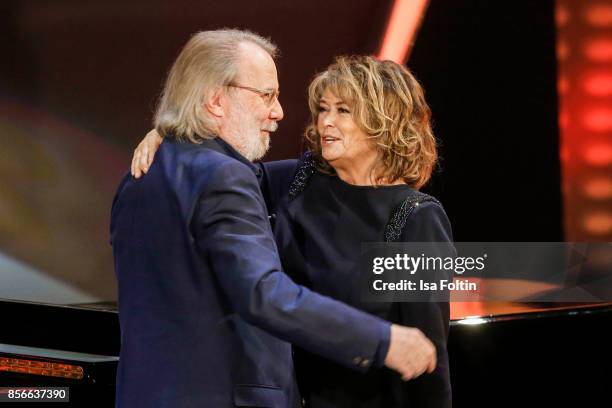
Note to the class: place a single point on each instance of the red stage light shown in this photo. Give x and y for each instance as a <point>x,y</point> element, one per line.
<point>599,189</point>
<point>562,50</point>
<point>599,84</point>
<point>563,119</point>
<point>598,223</point>
<point>562,85</point>
<point>599,50</point>
<point>561,15</point>
<point>599,15</point>
<point>598,120</point>
<point>598,154</point>
<point>584,85</point>
<point>401,29</point>
<point>564,154</point>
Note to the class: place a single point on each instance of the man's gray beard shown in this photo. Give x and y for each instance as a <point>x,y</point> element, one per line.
<point>250,143</point>
<point>260,147</point>
<point>247,135</point>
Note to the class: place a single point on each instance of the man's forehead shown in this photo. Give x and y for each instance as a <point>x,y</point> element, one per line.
<point>256,65</point>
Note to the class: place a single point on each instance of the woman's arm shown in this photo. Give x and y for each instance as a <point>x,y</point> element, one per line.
<point>428,223</point>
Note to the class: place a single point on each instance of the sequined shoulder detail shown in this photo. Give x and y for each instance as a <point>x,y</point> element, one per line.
<point>303,173</point>
<point>397,221</point>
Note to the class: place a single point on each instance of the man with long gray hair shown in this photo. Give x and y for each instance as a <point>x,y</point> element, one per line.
<point>203,302</point>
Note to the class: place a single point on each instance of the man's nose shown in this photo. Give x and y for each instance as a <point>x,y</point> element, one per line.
<point>277,111</point>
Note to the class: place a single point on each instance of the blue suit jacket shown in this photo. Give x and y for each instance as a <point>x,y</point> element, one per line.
<point>202,294</point>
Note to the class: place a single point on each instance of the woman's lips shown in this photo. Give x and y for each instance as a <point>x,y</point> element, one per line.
<point>328,139</point>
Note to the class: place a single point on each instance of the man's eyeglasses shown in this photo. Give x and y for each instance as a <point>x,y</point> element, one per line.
<point>269,96</point>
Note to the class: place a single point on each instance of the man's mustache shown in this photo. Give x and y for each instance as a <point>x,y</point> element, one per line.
<point>272,127</point>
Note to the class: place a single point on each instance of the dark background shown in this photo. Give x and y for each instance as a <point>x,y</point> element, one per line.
<point>79,81</point>
<point>489,70</point>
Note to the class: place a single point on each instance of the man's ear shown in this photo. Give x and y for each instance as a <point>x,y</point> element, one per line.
<point>216,103</point>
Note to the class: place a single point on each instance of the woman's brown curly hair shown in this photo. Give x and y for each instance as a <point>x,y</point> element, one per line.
<point>388,103</point>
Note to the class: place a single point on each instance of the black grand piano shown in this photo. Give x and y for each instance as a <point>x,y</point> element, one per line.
<point>502,354</point>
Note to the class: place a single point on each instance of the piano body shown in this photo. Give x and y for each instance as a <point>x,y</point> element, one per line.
<point>509,354</point>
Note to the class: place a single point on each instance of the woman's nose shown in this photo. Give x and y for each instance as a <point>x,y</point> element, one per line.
<point>328,119</point>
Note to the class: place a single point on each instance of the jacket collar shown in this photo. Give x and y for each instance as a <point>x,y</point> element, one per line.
<point>225,148</point>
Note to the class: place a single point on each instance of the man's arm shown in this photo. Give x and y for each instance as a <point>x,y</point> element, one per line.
<point>233,234</point>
